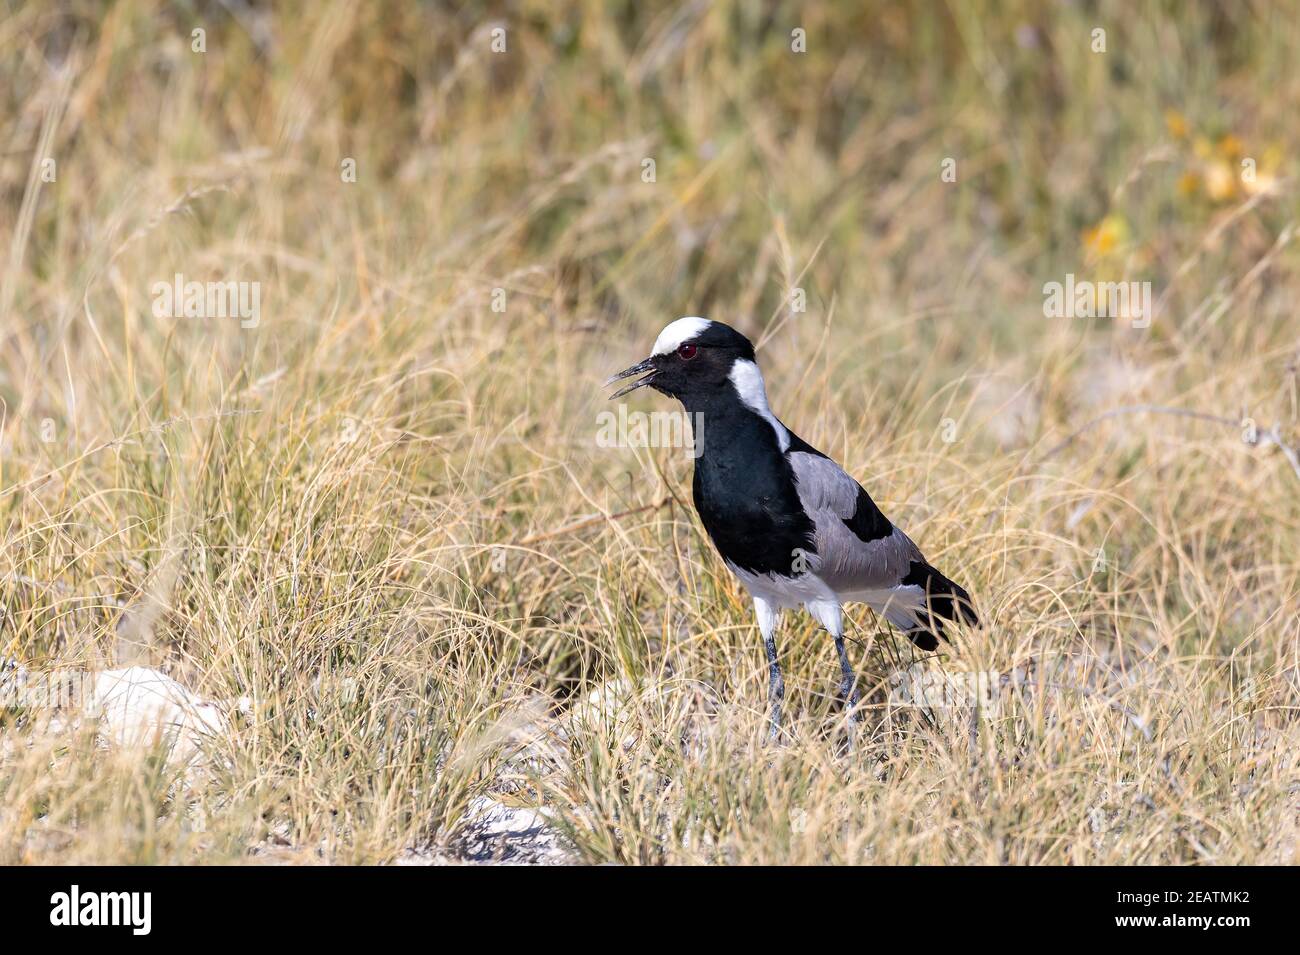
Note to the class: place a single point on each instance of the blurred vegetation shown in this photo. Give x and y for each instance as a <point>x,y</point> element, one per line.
<point>388,481</point>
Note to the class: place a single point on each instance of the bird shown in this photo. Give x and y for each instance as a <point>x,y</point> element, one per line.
<point>792,525</point>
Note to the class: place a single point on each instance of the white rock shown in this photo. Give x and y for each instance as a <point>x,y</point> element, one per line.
<point>610,705</point>
<point>494,832</point>
<point>139,706</point>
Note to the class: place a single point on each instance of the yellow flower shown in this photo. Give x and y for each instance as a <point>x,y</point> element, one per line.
<point>1230,146</point>
<point>1188,184</point>
<point>1262,182</point>
<point>1220,181</point>
<point>1176,123</point>
<point>1107,235</point>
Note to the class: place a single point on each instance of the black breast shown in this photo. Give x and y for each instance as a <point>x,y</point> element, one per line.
<point>746,497</point>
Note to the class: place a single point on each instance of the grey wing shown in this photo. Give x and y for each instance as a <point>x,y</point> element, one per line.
<point>858,549</point>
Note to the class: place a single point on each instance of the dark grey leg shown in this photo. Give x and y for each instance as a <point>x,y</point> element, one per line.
<point>830,616</point>
<point>848,681</point>
<point>775,685</point>
<point>768,617</point>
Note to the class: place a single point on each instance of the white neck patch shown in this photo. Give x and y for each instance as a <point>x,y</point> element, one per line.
<point>682,330</point>
<point>748,381</point>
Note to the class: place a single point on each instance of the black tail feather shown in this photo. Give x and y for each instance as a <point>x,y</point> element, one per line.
<point>945,600</point>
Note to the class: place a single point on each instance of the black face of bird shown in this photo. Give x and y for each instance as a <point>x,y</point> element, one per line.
<point>698,366</point>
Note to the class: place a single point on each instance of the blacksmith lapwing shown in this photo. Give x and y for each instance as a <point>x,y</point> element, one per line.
<point>789,522</point>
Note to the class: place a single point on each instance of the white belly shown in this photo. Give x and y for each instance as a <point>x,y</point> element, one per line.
<point>783,591</point>
<point>895,604</point>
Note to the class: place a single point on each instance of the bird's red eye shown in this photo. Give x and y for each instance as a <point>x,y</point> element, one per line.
<point>687,351</point>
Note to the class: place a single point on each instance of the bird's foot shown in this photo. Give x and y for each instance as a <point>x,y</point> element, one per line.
<point>775,697</point>
<point>774,730</point>
<point>849,694</point>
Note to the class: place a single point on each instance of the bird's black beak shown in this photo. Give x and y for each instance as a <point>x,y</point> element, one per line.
<point>647,365</point>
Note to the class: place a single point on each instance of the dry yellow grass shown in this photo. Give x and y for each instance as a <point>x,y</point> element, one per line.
<point>383,516</point>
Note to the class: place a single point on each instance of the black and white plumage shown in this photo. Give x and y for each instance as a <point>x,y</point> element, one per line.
<point>788,521</point>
